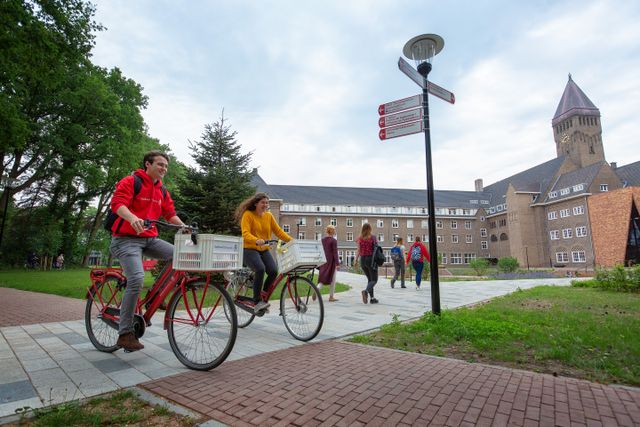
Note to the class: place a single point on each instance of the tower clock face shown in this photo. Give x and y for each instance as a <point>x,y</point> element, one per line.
<point>564,138</point>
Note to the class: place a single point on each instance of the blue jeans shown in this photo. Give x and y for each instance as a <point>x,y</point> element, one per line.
<point>129,250</point>
<point>260,262</point>
<point>418,266</point>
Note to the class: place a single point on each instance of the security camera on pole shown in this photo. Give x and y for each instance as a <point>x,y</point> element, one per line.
<point>411,115</point>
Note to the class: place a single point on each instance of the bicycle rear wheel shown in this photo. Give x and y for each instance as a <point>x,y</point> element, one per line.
<point>200,334</point>
<point>301,307</point>
<point>241,287</point>
<point>102,314</point>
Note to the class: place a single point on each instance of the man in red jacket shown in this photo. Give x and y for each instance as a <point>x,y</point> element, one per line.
<point>130,238</point>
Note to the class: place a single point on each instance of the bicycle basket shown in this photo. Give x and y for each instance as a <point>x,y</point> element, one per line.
<point>214,252</point>
<point>300,253</point>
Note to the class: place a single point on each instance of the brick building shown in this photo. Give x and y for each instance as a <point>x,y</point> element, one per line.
<point>540,216</point>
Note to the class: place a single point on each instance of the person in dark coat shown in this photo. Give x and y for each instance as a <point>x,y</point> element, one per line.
<point>328,270</point>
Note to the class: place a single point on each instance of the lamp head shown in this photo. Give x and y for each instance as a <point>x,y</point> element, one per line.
<point>422,49</point>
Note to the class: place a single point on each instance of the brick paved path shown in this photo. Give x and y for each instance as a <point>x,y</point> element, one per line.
<point>339,383</point>
<point>27,308</point>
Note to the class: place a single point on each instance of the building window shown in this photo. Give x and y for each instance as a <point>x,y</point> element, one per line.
<point>554,234</point>
<point>565,213</point>
<point>604,187</point>
<point>484,244</point>
<point>553,194</point>
<point>424,223</point>
<point>439,224</point>
<point>504,237</point>
<point>578,256</point>
<point>454,238</point>
<point>409,223</point>
<point>552,215</point>
<point>492,224</point>
<point>482,219</point>
<point>562,257</point>
<point>334,222</point>
<point>469,257</point>
<point>452,211</point>
<point>425,238</point>
<point>349,237</point>
<point>454,225</point>
<point>483,232</point>
<point>302,221</point>
<point>502,222</point>
<point>381,237</point>
<point>578,187</point>
<point>567,233</point>
<point>581,231</point>
<point>318,236</point>
<point>301,235</point>
<point>456,258</point>
<point>564,191</point>
<point>395,223</point>
<point>380,223</point>
<point>494,238</point>
<point>396,237</point>
<point>444,258</point>
<point>467,225</point>
<point>440,239</point>
<point>349,222</point>
<point>286,228</point>
<point>319,221</point>
<point>578,210</point>
<point>365,221</point>
<point>468,238</point>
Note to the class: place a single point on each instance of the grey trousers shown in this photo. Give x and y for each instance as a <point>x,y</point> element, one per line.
<point>129,250</point>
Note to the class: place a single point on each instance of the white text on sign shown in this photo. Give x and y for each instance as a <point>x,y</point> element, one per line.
<point>402,130</point>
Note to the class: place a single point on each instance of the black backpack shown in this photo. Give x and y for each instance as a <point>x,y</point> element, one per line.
<point>137,185</point>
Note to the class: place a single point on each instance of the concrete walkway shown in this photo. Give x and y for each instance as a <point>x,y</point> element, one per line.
<point>46,363</point>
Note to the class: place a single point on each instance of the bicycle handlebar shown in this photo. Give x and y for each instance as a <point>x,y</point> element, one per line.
<point>148,223</point>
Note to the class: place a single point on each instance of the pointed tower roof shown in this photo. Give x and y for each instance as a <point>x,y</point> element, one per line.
<point>574,102</point>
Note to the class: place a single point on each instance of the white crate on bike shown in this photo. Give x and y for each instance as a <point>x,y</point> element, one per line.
<point>214,252</point>
<point>300,253</point>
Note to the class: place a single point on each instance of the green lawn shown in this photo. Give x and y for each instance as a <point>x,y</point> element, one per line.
<point>577,332</point>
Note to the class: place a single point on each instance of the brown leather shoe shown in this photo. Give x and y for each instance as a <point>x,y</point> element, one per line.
<point>129,342</point>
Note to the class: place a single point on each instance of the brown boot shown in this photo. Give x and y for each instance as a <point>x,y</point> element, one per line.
<point>129,342</point>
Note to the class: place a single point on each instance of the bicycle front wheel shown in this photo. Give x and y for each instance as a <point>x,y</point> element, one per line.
<point>102,314</point>
<point>200,334</point>
<point>301,307</point>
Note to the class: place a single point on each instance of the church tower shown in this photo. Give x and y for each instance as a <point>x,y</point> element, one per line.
<point>576,127</point>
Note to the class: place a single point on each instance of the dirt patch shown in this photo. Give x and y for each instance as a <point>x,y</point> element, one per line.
<point>537,304</point>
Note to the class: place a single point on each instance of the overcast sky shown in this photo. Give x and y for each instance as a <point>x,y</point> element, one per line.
<point>301,82</point>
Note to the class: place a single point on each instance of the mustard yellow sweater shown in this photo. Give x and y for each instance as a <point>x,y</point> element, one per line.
<point>255,227</point>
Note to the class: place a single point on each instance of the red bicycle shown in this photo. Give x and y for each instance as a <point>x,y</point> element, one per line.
<point>301,305</point>
<point>201,333</point>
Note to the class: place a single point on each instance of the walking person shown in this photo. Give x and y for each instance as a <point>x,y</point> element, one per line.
<point>417,254</point>
<point>328,270</point>
<point>397,256</point>
<point>139,197</point>
<point>365,243</point>
<point>257,226</point>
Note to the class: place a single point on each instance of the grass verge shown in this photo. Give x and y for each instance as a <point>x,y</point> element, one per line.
<point>576,332</point>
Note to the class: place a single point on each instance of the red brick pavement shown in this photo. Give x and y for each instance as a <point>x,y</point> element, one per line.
<point>26,308</point>
<point>345,384</point>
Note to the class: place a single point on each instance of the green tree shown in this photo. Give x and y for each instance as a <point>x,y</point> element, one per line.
<point>479,265</point>
<point>508,264</point>
<point>210,192</point>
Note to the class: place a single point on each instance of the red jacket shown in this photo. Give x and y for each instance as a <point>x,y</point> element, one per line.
<point>423,251</point>
<point>149,203</point>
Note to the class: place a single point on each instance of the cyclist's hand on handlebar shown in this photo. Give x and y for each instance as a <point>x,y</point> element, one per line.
<point>137,224</point>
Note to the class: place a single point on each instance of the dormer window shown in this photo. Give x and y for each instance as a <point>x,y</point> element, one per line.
<point>553,194</point>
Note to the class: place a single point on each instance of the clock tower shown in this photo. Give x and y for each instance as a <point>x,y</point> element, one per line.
<point>576,127</point>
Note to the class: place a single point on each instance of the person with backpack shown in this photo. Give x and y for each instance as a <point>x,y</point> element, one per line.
<point>397,256</point>
<point>366,243</point>
<point>138,197</point>
<point>417,254</point>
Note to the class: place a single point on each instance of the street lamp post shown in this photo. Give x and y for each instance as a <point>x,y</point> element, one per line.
<point>7,183</point>
<point>422,49</point>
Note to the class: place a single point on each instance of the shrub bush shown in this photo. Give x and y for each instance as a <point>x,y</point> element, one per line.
<point>508,264</point>
<point>479,265</point>
<point>619,279</point>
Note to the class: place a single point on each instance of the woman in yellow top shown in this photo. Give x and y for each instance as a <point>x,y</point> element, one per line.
<point>257,226</point>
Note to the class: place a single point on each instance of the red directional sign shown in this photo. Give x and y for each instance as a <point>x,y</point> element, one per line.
<point>399,105</point>
<point>402,130</point>
<point>399,118</point>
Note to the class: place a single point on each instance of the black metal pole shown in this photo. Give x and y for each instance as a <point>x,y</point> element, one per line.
<point>424,69</point>
<point>6,194</point>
